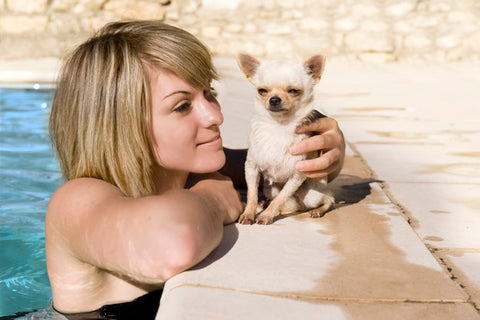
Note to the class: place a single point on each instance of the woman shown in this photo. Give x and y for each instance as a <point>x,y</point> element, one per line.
<point>132,118</point>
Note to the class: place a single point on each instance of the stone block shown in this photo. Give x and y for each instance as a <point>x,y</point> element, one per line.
<point>461,17</point>
<point>189,6</point>
<point>250,28</point>
<point>88,5</point>
<point>234,27</point>
<point>130,9</point>
<point>346,24</point>
<point>308,45</point>
<point>418,42</point>
<point>62,5</point>
<point>64,23</point>
<point>474,42</point>
<point>399,8</point>
<point>277,29</point>
<point>27,6</point>
<point>29,46</point>
<point>91,23</point>
<point>374,25</point>
<point>370,41</point>
<point>365,9</point>
<point>425,21</point>
<point>448,42</point>
<point>402,27</point>
<point>219,5</point>
<point>277,47</point>
<point>23,24</point>
<point>292,4</point>
<point>292,14</point>
<point>211,32</point>
<point>313,24</point>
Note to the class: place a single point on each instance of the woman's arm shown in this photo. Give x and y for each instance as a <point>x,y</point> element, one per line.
<point>147,239</point>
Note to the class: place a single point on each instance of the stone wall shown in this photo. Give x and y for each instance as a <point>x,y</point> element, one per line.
<point>366,30</point>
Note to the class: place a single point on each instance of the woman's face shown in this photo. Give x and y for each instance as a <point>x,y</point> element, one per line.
<point>185,125</point>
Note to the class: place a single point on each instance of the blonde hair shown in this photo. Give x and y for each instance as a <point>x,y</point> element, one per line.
<point>100,117</point>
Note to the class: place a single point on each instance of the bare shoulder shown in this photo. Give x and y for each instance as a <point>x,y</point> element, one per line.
<point>74,203</point>
<point>85,187</point>
<point>75,194</point>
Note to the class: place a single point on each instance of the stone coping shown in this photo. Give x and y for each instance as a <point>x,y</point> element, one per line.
<point>28,71</point>
<point>361,260</point>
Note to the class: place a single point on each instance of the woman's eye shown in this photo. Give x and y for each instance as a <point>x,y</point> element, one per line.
<point>183,108</point>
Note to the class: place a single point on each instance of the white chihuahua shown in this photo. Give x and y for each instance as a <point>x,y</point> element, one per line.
<point>284,101</point>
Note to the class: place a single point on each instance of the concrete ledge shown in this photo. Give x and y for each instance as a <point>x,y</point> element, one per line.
<point>27,71</point>
<point>361,260</point>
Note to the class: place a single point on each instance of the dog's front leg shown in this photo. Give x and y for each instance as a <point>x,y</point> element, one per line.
<point>252,177</point>
<point>292,185</point>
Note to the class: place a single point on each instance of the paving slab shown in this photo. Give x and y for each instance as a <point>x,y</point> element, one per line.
<point>417,90</point>
<point>190,302</point>
<point>444,215</point>
<point>420,163</point>
<point>363,252</point>
<point>464,265</point>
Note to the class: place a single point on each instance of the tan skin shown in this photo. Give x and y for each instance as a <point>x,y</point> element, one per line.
<point>104,247</point>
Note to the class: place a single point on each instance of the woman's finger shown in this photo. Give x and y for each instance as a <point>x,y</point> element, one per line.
<point>323,163</point>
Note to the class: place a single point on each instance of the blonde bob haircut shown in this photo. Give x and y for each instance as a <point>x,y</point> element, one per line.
<point>100,121</point>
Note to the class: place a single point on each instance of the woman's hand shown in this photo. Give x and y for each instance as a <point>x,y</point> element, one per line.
<point>220,192</point>
<point>328,138</point>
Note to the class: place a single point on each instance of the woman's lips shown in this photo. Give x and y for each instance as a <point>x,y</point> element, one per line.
<point>215,141</point>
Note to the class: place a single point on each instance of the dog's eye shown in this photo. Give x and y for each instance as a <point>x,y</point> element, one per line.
<point>262,91</point>
<point>294,91</point>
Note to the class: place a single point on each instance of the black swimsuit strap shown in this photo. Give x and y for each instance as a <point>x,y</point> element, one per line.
<point>144,307</point>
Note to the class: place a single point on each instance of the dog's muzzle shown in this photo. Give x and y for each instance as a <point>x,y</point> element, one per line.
<point>275,104</point>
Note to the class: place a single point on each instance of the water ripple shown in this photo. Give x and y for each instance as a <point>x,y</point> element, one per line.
<point>28,176</point>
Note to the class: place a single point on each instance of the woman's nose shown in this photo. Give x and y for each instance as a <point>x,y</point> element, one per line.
<point>210,113</point>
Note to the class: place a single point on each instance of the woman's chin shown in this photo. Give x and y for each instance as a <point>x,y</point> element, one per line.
<point>215,163</point>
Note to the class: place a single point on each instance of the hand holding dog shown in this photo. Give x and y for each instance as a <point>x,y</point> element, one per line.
<point>329,139</point>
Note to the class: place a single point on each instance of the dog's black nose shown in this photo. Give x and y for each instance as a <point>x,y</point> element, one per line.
<point>275,101</point>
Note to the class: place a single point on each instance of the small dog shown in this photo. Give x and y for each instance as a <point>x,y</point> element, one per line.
<point>285,100</point>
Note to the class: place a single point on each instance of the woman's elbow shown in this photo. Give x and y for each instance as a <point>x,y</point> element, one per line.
<point>185,252</point>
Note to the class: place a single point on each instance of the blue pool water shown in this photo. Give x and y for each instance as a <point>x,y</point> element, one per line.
<point>28,176</point>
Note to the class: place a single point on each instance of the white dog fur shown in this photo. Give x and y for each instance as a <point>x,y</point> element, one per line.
<point>284,100</point>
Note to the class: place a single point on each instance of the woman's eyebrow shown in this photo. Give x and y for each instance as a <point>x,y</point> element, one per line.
<point>176,92</point>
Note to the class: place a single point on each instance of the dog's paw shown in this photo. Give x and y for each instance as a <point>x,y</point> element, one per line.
<point>328,203</point>
<point>246,219</point>
<point>264,219</point>
<point>317,213</point>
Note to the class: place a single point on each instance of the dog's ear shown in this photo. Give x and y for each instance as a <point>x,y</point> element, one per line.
<point>315,66</point>
<point>247,64</point>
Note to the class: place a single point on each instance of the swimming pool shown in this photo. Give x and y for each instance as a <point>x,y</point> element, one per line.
<point>28,176</point>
